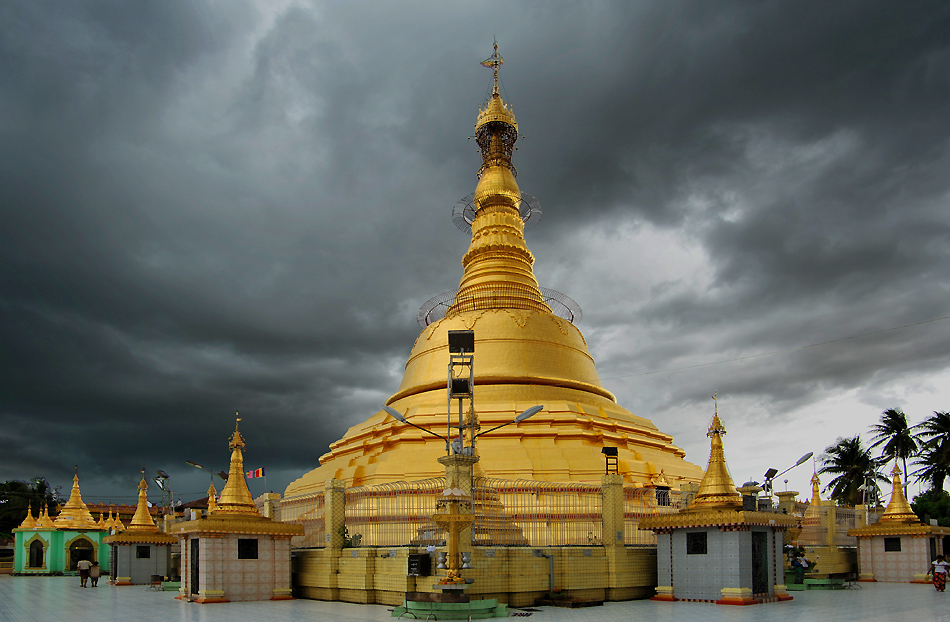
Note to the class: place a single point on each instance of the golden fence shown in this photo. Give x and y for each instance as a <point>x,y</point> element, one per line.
<point>815,523</point>
<point>532,513</point>
<point>845,519</point>
<point>507,513</point>
<point>306,510</point>
<point>640,503</point>
<point>394,514</point>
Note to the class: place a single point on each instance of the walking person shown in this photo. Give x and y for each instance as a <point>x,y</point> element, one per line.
<point>83,567</point>
<point>940,567</point>
<point>94,572</point>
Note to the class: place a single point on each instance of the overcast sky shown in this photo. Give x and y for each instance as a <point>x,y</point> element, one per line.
<point>219,206</point>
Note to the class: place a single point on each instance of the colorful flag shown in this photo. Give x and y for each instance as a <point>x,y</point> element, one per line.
<point>256,473</point>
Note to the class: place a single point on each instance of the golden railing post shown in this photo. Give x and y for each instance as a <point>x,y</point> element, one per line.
<point>831,521</point>
<point>334,513</point>
<point>612,509</point>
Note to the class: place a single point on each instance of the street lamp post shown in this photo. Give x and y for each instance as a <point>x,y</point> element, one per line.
<point>771,474</point>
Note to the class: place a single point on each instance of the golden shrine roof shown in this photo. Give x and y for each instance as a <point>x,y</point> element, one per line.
<point>898,510</point>
<point>75,514</point>
<point>236,499</point>
<point>723,518</point>
<point>28,521</point>
<point>142,520</point>
<point>141,537</point>
<point>716,491</point>
<point>217,524</point>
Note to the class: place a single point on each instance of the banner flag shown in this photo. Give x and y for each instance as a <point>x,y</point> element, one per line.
<point>255,473</point>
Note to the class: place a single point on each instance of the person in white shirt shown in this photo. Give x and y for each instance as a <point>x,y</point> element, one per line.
<point>940,567</point>
<point>83,566</point>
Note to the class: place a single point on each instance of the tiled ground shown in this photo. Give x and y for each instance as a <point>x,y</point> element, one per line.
<point>59,599</point>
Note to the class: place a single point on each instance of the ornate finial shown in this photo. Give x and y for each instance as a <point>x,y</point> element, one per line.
<point>715,426</point>
<point>494,62</point>
<point>898,510</point>
<point>236,439</point>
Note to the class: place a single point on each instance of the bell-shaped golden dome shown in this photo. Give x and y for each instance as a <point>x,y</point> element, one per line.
<point>525,355</point>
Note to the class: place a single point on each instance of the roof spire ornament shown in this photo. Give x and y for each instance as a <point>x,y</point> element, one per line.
<point>142,520</point>
<point>716,491</point>
<point>898,510</point>
<point>236,499</point>
<point>494,62</point>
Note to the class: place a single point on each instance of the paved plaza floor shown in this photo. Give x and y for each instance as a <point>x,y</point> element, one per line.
<point>61,599</point>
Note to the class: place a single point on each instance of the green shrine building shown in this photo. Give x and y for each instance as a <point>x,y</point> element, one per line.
<point>47,546</point>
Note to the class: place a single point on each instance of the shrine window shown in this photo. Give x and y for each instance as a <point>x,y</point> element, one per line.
<point>696,543</point>
<point>247,548</point>
<point>143,552</point>
<point>892,545</point>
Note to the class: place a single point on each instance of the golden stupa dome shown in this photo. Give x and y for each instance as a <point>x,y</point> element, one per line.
<point>525,355</point>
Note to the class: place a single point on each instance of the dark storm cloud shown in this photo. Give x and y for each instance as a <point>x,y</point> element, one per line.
<point>209,208</point>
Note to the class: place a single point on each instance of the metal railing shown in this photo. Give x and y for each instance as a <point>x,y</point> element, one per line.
<point>640,503</point>
<point>394,514</point>
<point>306,510</point>
<point>532,513</point>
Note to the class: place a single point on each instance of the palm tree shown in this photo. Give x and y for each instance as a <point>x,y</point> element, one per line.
<point>854,467</point>
<point>896,437</point>
<point>934,458</point>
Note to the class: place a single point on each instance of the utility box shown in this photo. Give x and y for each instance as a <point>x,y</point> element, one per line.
<point>420,565</point>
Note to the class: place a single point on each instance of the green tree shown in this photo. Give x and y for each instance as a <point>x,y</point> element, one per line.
<point>853,465</point>
<point>16,496</point>
<point>934,457</point>
<point>896,437</point>
<point>933,504</point>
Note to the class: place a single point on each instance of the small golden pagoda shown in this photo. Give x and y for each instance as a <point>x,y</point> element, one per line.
<point>141,551</point>
<point>899,543</point>
<point>525,355</point>
<point>29,522</point>
<point>235,554</point>
<point>715,527</point>
<point>75,514</point>
<point>44,521</point>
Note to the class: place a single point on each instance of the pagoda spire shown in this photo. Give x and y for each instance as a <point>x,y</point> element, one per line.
<point>717,490</point>
<point>75,514</point>
<point>236,499</point>
<point>29,522</point>
<point>898,510</point>
<point>142,520</point>
<point>498,265</point>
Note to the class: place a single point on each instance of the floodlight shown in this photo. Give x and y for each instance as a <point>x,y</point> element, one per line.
<point>395,414</point>
<point>461,341</point>
<point>528,413</point>
<point>162,474</point>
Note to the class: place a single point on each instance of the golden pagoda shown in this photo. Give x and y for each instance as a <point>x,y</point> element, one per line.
<point>716,491</point>
<point>29,522</point>
<point>75,514</point>
<point>524,355</point>
<point>898,510</point>
<point>44,521</point>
